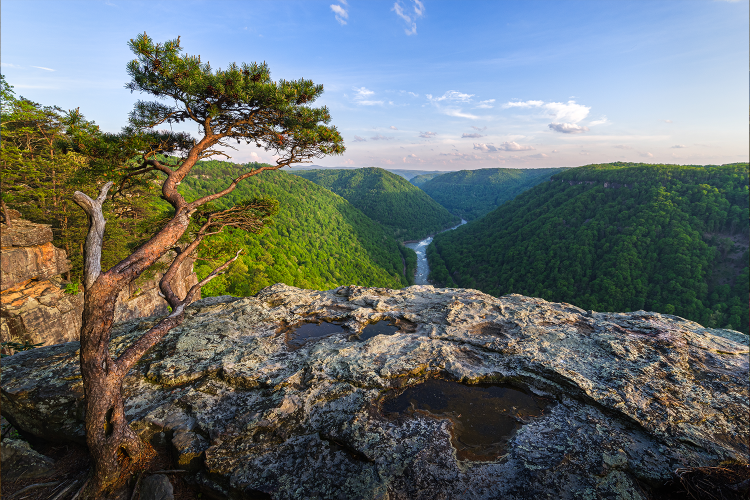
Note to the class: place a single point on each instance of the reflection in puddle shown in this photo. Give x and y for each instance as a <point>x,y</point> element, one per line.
<point>300,335</point>
<point>484,417</point>
<point>380,328</point>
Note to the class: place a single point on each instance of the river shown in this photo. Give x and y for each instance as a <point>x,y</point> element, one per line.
<point>423,269</point>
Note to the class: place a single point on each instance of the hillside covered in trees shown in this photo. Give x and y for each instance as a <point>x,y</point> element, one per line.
<point>470,194</point>
<point>615,237</point>
<point>318,239</point>
<point>406,211</point>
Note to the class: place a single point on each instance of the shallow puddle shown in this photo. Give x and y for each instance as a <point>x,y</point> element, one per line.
<point>484,417</point>
<point>383,327</point>
<point>305,333</point>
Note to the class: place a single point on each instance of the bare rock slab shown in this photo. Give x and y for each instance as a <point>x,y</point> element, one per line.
<point>157,487</point>
<point>619,400</point>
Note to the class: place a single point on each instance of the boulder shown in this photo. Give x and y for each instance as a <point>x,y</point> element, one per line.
<point>40,312</point>
<point>20,264</point>
<point>156,487</point>
<point>21,462</point>
<point>620,400</point>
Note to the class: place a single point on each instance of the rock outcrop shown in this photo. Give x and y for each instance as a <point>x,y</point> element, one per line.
<point>621,400</point>
<point>34,306</point>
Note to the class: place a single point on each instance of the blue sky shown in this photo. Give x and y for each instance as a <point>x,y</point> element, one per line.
<point>432,85</point>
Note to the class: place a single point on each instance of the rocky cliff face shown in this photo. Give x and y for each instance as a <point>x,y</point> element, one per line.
<point>34,306</point>
<point>466,396</point>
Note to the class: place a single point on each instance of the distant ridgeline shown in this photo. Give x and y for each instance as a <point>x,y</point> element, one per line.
<point>319,240</point>
<point>407,212</point>
<point>473,193</point>
<point>615,237</point>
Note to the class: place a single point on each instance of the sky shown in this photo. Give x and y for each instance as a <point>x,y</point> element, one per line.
<point>431,85</point>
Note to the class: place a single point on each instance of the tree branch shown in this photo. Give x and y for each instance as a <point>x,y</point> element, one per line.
<point>92,264</point>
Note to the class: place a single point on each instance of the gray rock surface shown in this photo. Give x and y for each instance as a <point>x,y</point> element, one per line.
<point>19,461</point>
<point>157,487</point>
<point>631,396</point>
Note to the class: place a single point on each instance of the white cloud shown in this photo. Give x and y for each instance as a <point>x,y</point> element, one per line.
<point>349,162</point>
<point>647,155</point>
<point>361,97</point>
<point>451,95</point>
<point>484,147</point>
<point>667,121</point>
<point>427,135</point>
<point>538,156</point>
<point>9,65</point>
<point>555,151</point>
<point>412,158</point>
<point>418,8</point>
<point>400,12</point>
<point>513,146</point>
<point>413,94</point>
<point>679,146</point>
<point>568,128</point>
<point>392,127</point>
<point>506,146</point>
<point>379,137</point>
<point>570,111</point>
<point>255,157</point>
<point>481,129</point>
<point>523,104</point>
<point>460,114</point>
<point>42,67</point>
<point>486,104</point>
<point>472,136</point>
<point>341,14</point>
<point>623,146</point>
<point>600,121</point>
<point>359,139</point>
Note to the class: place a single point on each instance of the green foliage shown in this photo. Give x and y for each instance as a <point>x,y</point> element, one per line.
<point>615,237</point>
<point>240,103</point>
<point>72,288</point>
<point>420,180</point>
<point>471,194</point>
<point>9,348</point>
<point>318,239</point>
<point>407,212</point>
<point>47,154</point>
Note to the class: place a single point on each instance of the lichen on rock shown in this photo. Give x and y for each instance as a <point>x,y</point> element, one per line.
<point>632,396</point>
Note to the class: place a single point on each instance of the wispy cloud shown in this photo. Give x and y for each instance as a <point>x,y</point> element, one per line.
<point>412,158</point>
<point>600,121</point>
<point>341,14</point>
<point>9,65</point>
<point>646,155</point>
<point>361,96</point>
<point>506,146</point>
<point>471,136</point>
<point>392,127</point>
<point>379,137</point>
<point>42,67</point>
<point>485,104</point>
<point>623,146</point>
<point>537,156</point>
<point>667,121</point>
<point>459,114</point>
<point>568,128</point>
<point>359,139</point>
<point>427,135</point>
<point>481,129</point>
<point>679,146</point>
<point>451,95</point>
<point>409,18</point>
<point>523,104</point>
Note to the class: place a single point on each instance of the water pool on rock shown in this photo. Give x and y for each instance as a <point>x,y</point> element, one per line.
<point>483,417</point>
<point>380,328</point>
<point>298,336</point>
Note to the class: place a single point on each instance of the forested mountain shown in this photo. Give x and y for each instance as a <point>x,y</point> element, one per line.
<point>471,194</point>
<point>420,180</point>
<point>406,211</point>
<point>615,237</point>
<point>319,240</point>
